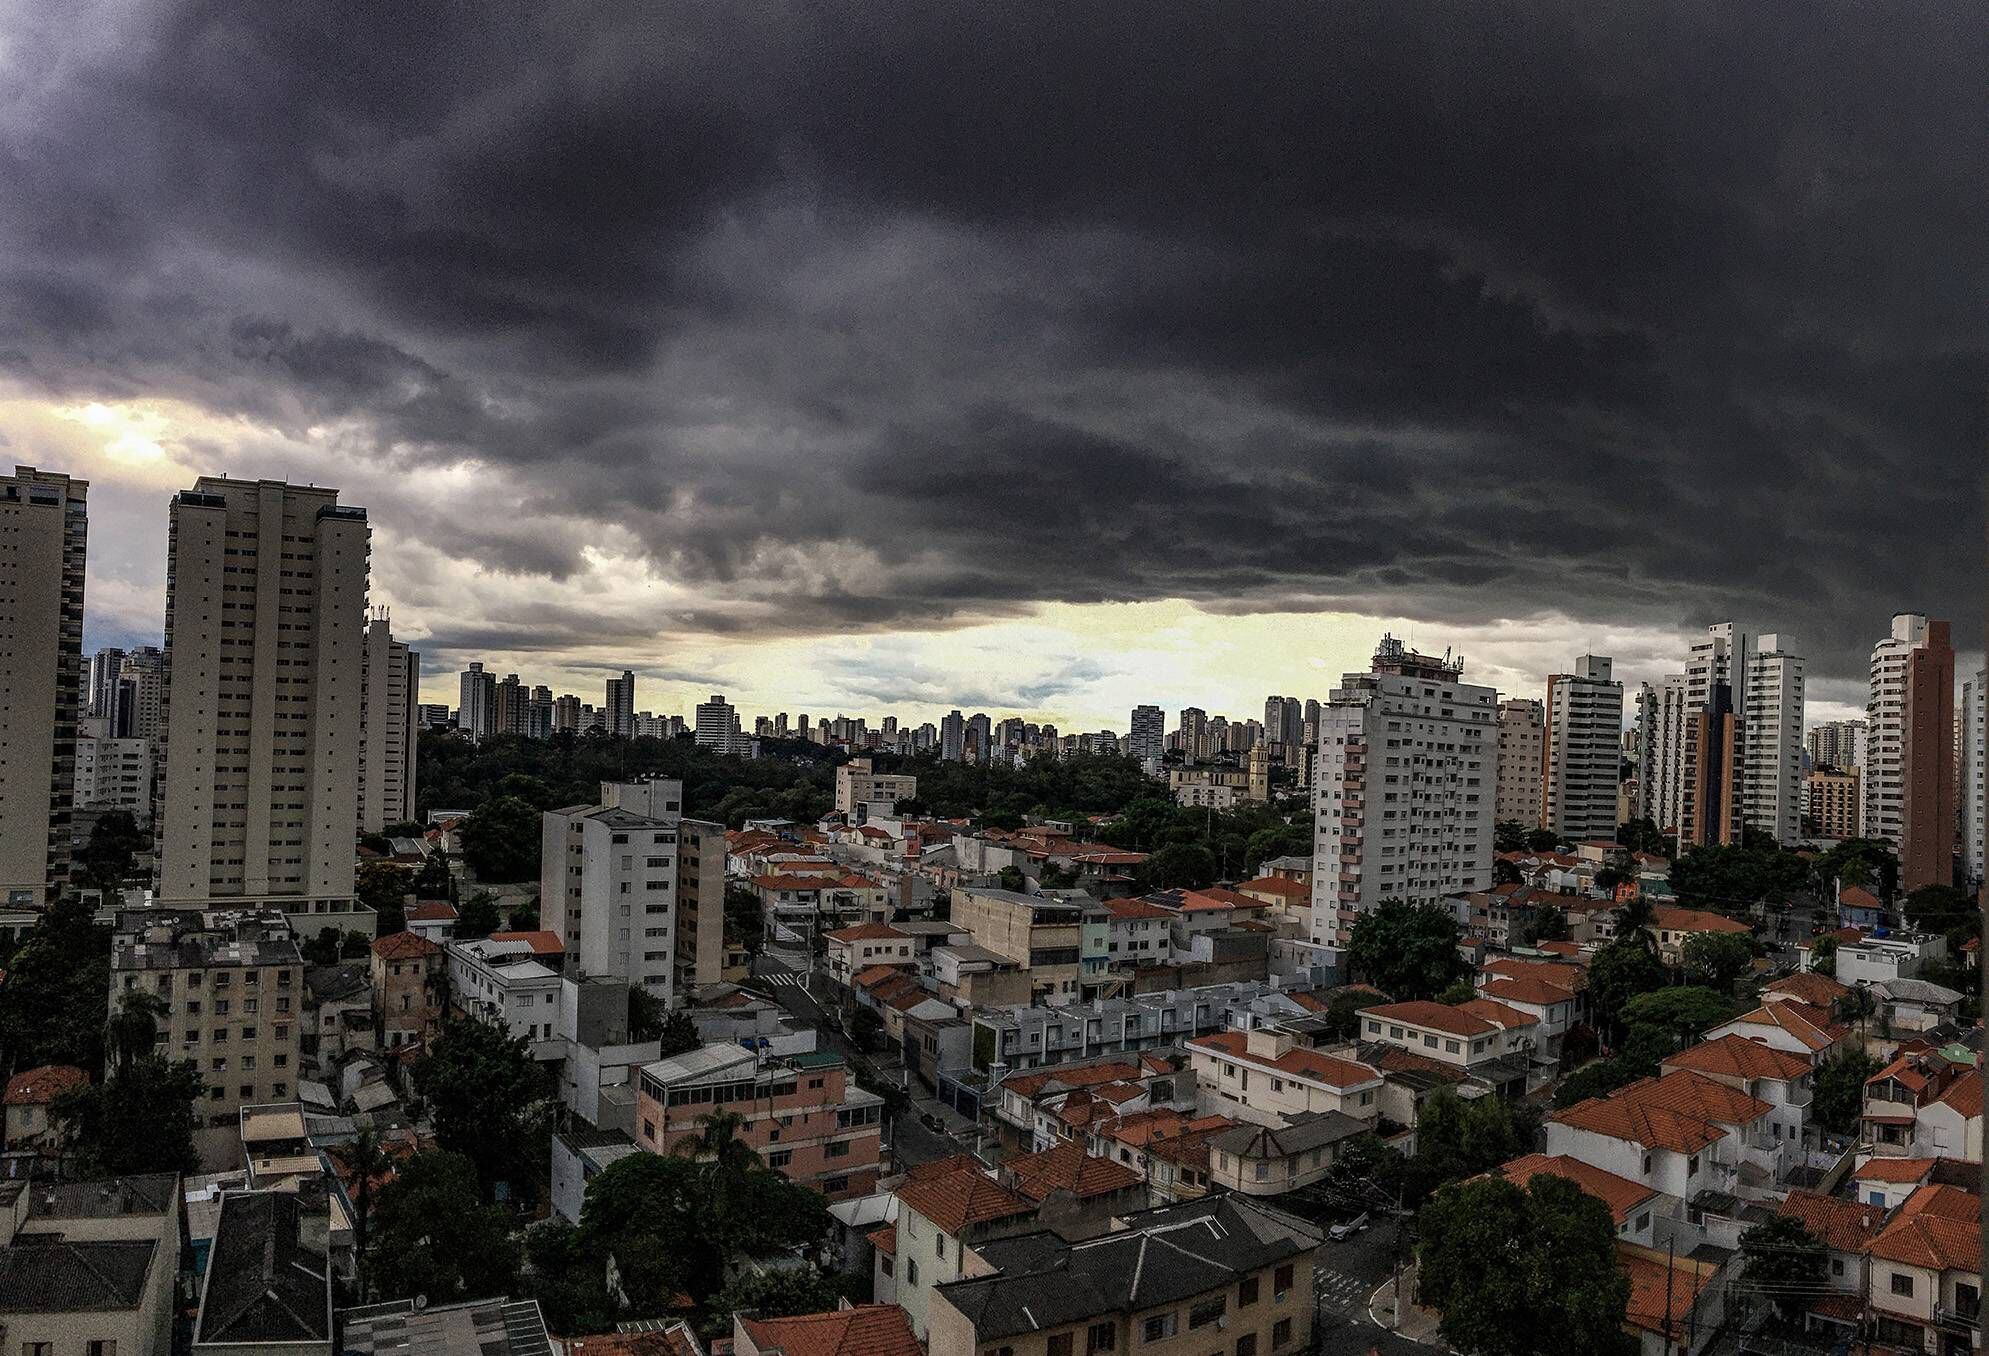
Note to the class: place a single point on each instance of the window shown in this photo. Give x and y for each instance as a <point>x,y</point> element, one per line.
<point>1246,1345</point>
<point>102,1346</point>
<point>780,1158</point>
<point>1281,1332</point>
<point>939,1246</point>
<point>1161,1327</point>
<point>911,1272</point>
<point>1204,1312</point>
<point>1059,1344</point>
<point>1101,1337</point>
<point>1644,1222</point>
<point>1692,1165</point>
<point>1246,1292</point>
<point>37,1349</point>
<point>1281,1281</point>
<point>1902,1284</point>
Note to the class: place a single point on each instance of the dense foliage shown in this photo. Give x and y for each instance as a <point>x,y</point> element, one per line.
<point>1197,846</point>
<point>1840,1090</point>
<point>431,1234</point>
<point>1408,950</point>
<point>1730,877</point>
<point>52,1007</point>
<point>485,1094</point>
<point>1783,1260</point>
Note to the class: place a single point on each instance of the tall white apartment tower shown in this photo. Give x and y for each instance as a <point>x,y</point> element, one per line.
<point>608,883</point>
<point>1672,714</point>
<point>1975,776</point>
<point>265,622</point>
<point>44,528</point>
<point>1521,748</point>
<point>106,667</point>
<point>717,724</point>
<point>1582,755</point>
<point>1146,740</point>
<point>391,674</point>
<point>1405,788</point>
<point>476,702</point>
<point>1771,774</point>
<point>1885,730</point>
<point>619,709</point>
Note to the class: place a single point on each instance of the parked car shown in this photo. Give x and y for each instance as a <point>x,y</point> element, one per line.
<point>1340,1233</point>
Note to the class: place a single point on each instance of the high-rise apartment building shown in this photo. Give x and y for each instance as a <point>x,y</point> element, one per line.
<point>1404,788</point>
<point>1975,776</point>
<point>1194,729</point>
<point>142,694</point>
<point>1837,743</point>
<point>265,618</point>
<point>390,677</point>
<point>1709,803</point>
<point>566,714</point>
<point>608,883</point>
<point>539,713</point>
<point>1580,758</point>
<point>1719,662</point>
<point>717,725</point>
<point>699,951</point>
<point>619,708</point>
<point>952,735</point>
<point>1771,779</point>
<point>979,730</point>
<point>476,704</point>
<point>1146,737</point>
<point>1909,746</point>
<point>106,667</point>
<point>44,529</point>
<point>1522,749</point>
<point>1284,721</point>
<point>1831,802</point>
<point>114,773</point>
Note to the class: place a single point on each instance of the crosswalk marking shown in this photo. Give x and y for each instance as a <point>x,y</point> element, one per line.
<point>1338,1291</point>
<point>789,979</point>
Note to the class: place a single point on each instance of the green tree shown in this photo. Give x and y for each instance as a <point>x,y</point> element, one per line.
<point>433,880</point>
<point>568,1281</point>
<point>140,1117</point>
<point>1867,862</point>
<point>367,1161</point>
<point>501,840</point>
<point>1456,1139</point>
<point>476,916</point>
<point>1460,991</point>
<point>1641,835</point>
<point>384,887</point>
<point>677,1032</point>
<point>1943,909</point>
<point>1187,866</point>
<point>1012,879</point>
<point>1823,956</point>
<point>434,1236</point>
<point>1732,876</point>
<point>1618,973</point>
<point>1840,1090</point>
<point>1409,950</point>
<point>1542,840</point>
<point>322,949</point>
<point>1680,1014</point>
<point>1782,1259</point>
<point>1509,836</point>
<point>865,1029</point>
<point>1343,1008</point>
<point>485,1093</point>
<point>109,859</point>
<point>1547,923</point>
<point>52,1005</point>
<point>1716,960</point>
<point>772,1294</point>
<point>1529,1272</point>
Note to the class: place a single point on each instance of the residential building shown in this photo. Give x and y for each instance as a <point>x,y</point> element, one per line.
<point>1521,756</point>
<point>850,951</point>
<point>858,784</point>
<point>1909,783</point>
<point>390,680</point>
<point>700,918</point>
<point>1581,754</point>
<point>90,1267</point>
<point>1146,738</point>
<point>1837,743</point>
<point>1632,1204</point>
<point>511,978</point>
<point>952,736</point>
<point>1216,788</point>
<point>1832,799</point>
<point>566,714</point>
<point>1677,1304</point>
<point>1033,1036</point>
<point>1778,1077</point>
<point>44,529</point>
<point>510,714</point>
<point>100,685</point>
<point>1038,933</point>
<point>947,1212</point>
<point>476,703</point>
<point>1788,1025</point>
<point>1404,789</point>
<point>1695,749</point>
<point>854,1330</point>
<point>618,708</point>
<point>1974,777</point>
<point>1265,1077</point>
<point>115,773</point>
<point>802,1114</point>
<point>265,605</point>
<point>408,973</point>
<point>1483,1039</point>
<point>1709,804</point>
<point>1925,1287</point>
<point>1268,1160</point>
<point>142,694</point>
<point>1222,1272</point>
<point>1923,1106</point>
<point>1680,1133</point>
<point>607,888</point>
<point>29,1096</point>
<point>1897,955</point>
<point>267,1285</point>
<point>232,983</point>
<point>1673,927</point>
<point>717,725</point>
<point>1771,776</point>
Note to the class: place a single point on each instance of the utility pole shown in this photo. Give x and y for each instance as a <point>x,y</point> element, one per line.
<point>1670,1255</point>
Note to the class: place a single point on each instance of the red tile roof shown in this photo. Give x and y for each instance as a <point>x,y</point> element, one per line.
<point>1881,1169</point>
<point>1667,919</point>
<point>1498,1014</point>
<point>1560,974</point>
<point>1067,1167</point>
<point>432,911</point>
<point>1937,1228</point>
<point>1738,1057</point>
<point>1809,987</point>
<point>1657,1289</point>
<point>1297,1061</point>
<point>1620,1194</point>
<point>867,932</point>
<point>1276,885</point>
<point>542,943</point>
<point>39,1087</point>
<point>1811,1026</point>
<point>1965,1095</point>
<point>864,1330</point>
<point>1028,1085</point>
<point>1134,908</point>
<point>1846,1226</point>
<point>404,946</point>
<point>962,1198</point>
<point>885,1240</point>
<point>1681,1111</point>
<point>1436,1016</point>
<point>1536,991</point>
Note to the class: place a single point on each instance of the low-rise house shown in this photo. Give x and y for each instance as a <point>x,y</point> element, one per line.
<point>1950,1126</point>
<point>1027,1105</point>
<point>338,1013</point>
<point>851,950</point>
<point>1075,1193</point>
<point>1898,955</point>
<point>1680,1133</point>
<point>267,1286</point>
<point>434,919</point>
<point>1261,1160</point>
<point>1846,1230</point>
<point>1777,1077</point>
<point>1177,1167</point>
<point>579,1155</point>
<point>1677,1304</point>
<point>1886,1180</point>
<point>1482,1038</point>
<point>801,1113</point>
<point>1925,1288</point>
<point>977,977</point>
<point>1898,1097</point>
<point>1551,1007</point>
<point>488,1327</point>
<point>1136,932</point>
<point>511,979</point>
<point>943,1218</point>
<point>1280,894</point>
<point>1224,1272</point>
<point>1916,1004</point>
<point>1634,1206</point>
<point>1858,907</point>
<point>90,1266</point>
<point>1673,927</point>
<point>1805,986</point>
<point>1041,935</point>
<point>29,1096</point>
<point>1263,1077</point>
<point>857,1330</point>
<point>408,974</point>
<point>1790,1026</point>
<point>1036,1036</point>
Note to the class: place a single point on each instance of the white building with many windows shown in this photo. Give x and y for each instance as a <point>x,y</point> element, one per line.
<point>1405,789</point>
<point>1771,773</point>
<point>1975,776</point>
<point>607,890</point>
<point>1582,754</point>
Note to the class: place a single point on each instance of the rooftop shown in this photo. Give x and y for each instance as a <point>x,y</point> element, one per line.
<point>262,1284</point>
<point>1620,1194</point>
<point>963,1197</point>
<point>861,1330</point>
<point>492,1327</point>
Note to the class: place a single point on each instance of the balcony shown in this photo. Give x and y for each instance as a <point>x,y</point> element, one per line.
<point>1960,1320</point>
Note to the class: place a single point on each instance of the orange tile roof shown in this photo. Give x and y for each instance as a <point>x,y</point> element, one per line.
<point>1809,987</point>
<point>1028,1085</point>
<point>542,943</point>
<point>1536,991</point>
<point>1965,1095</point>
<point>1935,1230</point>
<point>675,1340</point>
<point>885,1240</point>
<point>40,1086</point>
<point>1067,1167</point>
<point>1394,1059</point>
<point>1134,908</point>
<point>1846,1226</point>
<point>1657,1289</point>
<point>1682,1111</point>
<point>1498,1014</point>
<point>867,932</point>
<point>1739,1057</point>
<point>1436,1016</point>
<point>1560,974</point>
<point>1881,1169</point>
<point>863,1330</point>
<point>1277,885</point>
<point>871,975</point>
<point>432,911</point>
<point>1620,1194</point>
<point>1667,919</point>
<point>1858,897</point>
<point>1799,1020</point>
<point>1298,1061</point>
<point>404,946</point>
<point>961,1198</point>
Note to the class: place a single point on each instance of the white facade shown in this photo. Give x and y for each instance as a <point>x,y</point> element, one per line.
<point>507,983</point>
<point>1975,776</point>
<point>1662,778</point>
<point>1885,731</point>
<point>115,774</point>
<point>717,725</point>
<point>607,889</point>
<point>1522,750</point>
<point>1405,789</point>
<point>1146,740</point>
<point>1772,749</point>
<point>1584,739</point>
<point>476,702</point>
<point>391,675</point>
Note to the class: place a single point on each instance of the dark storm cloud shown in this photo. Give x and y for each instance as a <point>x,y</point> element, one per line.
<point>868,315</point>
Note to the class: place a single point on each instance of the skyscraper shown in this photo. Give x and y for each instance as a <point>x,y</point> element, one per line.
<point>717,725</point>
<point>1403,789</point>
<point>265,614</point>
<point>1909,747</point>
<point>476,705</point>
<point>979,728</point>
<point>1837,743</point>
<point>1284,722</point>
<point>1771,784</point>
<point>566,714</point>
<point>390,677</point>
<point>1580,758</point>
<point>1520,759</point>
<point>1710,772</point>
<point>508,708</point>
<point>106,667</point>
<point>619,710</point>
<point>539,713</point>
<point>1975,777</point>
<point>44,530</point>
<point>952,735</point>
<point>1147,736</point>
<point>142,694</point>
<point>1194,733</point>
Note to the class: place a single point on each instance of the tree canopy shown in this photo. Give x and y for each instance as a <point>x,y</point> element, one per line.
<point>501,840</point>
<point>139,1117</point>
<point>1783,1260</point>
<point>1840,1089</point>
<point>1717,960</point>
<point>1409,950</point>
<point>484,1092</point>
<point>1730,877</point>
<point>431,1234</point>
<point>1681,1014</point>
<point>52,1005</point>
<point>1618,973</point>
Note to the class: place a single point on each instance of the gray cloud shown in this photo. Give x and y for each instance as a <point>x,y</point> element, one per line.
<point>877,315</point>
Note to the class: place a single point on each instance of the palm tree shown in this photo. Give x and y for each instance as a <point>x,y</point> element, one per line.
<point>133,1030</point>
<point>366,1160</point>
<point>731,1158</point>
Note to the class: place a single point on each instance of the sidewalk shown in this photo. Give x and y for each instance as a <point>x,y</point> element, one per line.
<point>1417,1324</point>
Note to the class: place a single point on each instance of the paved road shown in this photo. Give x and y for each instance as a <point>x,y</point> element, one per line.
<point>1343,1280</point>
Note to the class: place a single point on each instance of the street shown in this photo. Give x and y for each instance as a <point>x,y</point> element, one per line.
<point>1343,1282</point>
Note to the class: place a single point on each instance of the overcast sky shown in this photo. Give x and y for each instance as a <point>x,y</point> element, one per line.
<point>1047,359</point>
